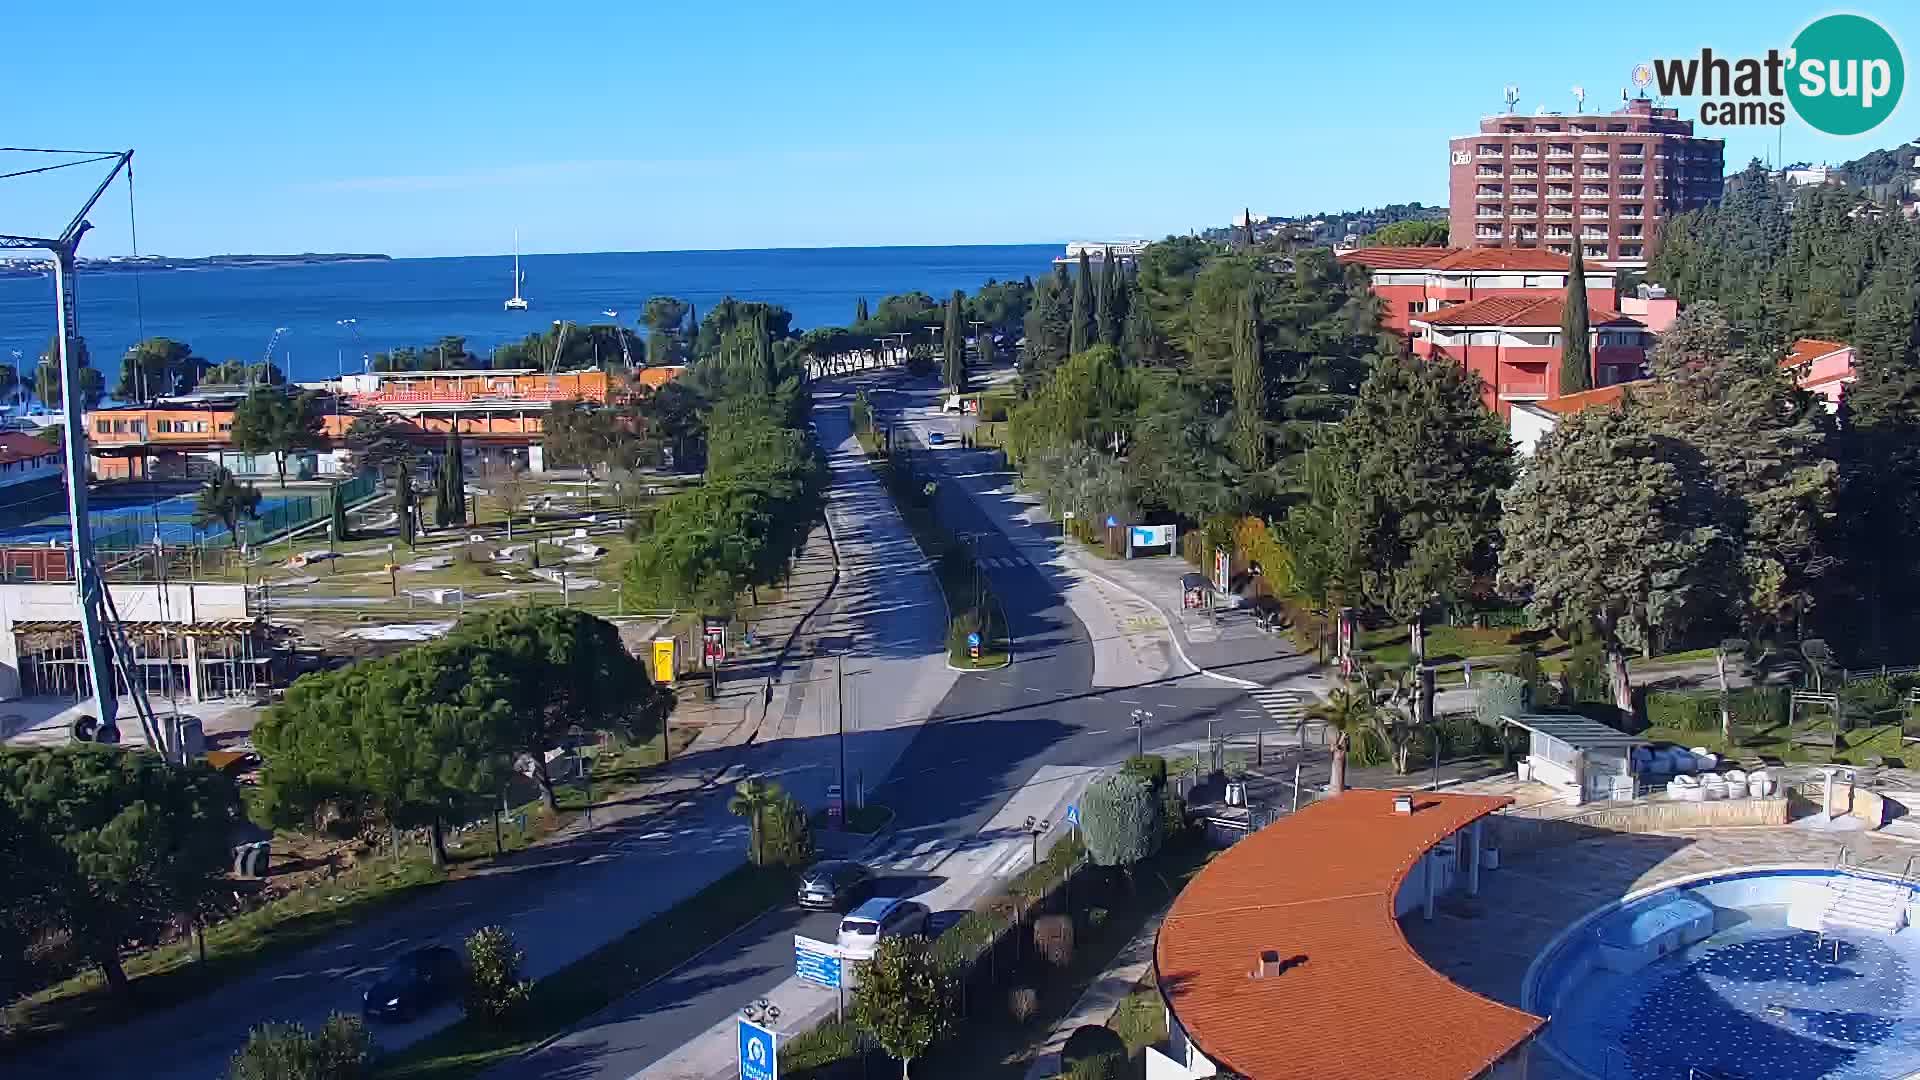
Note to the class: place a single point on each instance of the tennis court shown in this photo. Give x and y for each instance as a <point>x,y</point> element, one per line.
<point>123,524</point>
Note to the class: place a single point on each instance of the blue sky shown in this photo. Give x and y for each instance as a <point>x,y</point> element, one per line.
<point>600,126</point>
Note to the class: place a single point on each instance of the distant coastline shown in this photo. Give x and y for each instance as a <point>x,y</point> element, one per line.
<point>126,263</point>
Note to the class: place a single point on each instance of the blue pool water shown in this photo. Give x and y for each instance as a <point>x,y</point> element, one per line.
<point>171,517</point>
<point>1756,999</point>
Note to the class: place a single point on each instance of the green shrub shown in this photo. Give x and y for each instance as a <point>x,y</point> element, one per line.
<point>1758,706</point>
<point>1369,748</point>
<point>1464,733</point>
<point>1684,710</point>
<point>341,1050</point>
<point>1097,1067</point>
<point>787,837</point>
<point>1173,817</point>
<point>495,990</point>
<point>1089,1043</point>
<point>1501,695</point>
<point>1149,767</point>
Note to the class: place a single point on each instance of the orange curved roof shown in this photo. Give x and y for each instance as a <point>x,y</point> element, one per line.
<point>1354,1001</point>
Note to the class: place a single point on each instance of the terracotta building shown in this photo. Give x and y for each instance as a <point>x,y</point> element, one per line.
<point>1412,281</point>
<point>1513,344</point>
<point>1603,180</point>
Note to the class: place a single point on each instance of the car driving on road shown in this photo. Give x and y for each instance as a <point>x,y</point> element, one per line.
<point>834,885</point>
<point>882,917</point>
<point>416,982</point>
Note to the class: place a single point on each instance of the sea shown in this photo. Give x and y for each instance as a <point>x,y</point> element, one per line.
<point>301,311</point>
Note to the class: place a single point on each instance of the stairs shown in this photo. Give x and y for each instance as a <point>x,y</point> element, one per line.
<point>1866,904</point>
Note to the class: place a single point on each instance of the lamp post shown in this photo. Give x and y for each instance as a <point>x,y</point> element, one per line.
<point>1140,718</point>
<point>1036,828</point>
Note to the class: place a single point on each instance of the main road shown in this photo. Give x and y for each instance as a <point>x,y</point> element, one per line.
<point>997,746</point>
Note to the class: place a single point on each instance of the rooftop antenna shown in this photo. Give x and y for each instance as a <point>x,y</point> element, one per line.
<point>1579,99</point>
<point>100,637</point>
<point>1513,96</point>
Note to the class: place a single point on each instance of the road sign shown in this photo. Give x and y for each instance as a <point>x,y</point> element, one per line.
<point>973,639</point>
<point>816,962</point>
<point>1066,515</point>
<point>973,646</point>
<point>1112,522</point>
<point>1073,814</point>
<point>759,1056</point>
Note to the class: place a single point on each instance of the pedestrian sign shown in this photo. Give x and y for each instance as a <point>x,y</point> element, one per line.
<point>759,1057</point>
<point>973,639</point>
<point>1073,813</point>
<point>1112,522</point>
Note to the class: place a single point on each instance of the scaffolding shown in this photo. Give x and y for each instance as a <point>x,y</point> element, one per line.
<point>204,661</point>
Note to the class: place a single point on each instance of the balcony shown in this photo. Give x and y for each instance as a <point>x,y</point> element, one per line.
<point>1488,213</point>
<point>1559,232</point>
<point>1591,192</point>
<point>1559,172</point>
<point>1630,213</point>
<point>1561,151</point>
<point>1593,150</point>
<point>1559,212</point>
<point>1632,195</point>
<point>1486,232</point>
<point>1593,234</point>
<point>1528,235</point>
<point>1490,152</point>
<point>1489,191</point>
<point>1634,173</point>
<point>1523,213</point>
<point>1489,171</point>
<point>1591,173</point>
<point>1526,191</point>
<point>1595,251</point>
<point>1525,172</point>
<point>1521,383</point>
<point>1593,211</point>
<point>1524,152</point>
<point>1631,251</point>
<point>1560,249</point>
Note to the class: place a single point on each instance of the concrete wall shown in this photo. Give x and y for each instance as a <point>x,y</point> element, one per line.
<point>188,602</point>
<point>1513,833</point>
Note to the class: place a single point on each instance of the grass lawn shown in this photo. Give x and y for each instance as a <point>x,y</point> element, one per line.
<point>1860,746</point>
<point>164,976</point>
<point>570,995</point>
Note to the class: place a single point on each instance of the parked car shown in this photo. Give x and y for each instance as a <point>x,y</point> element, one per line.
<point>416,982</point>
<point>881,917</point>
<point>936,439</point>
<point>834,885</point>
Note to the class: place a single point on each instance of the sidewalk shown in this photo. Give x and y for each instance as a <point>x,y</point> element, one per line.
<point>1104,995</point>
<point>647,848</point>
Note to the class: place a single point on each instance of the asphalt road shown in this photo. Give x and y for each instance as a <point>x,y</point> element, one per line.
<point>984,741</point>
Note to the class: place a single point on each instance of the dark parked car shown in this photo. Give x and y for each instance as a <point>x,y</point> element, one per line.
<point>416,982</point>
<point>835,885</point>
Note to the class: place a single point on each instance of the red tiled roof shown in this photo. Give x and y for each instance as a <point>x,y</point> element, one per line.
<point>1568,404</point>
<point>17,445</point>
<point>1355,1002</point>
<point>1807,350</point>
<point>1397,258</point>
<point>1518,311</point>
<point>1506,259</point>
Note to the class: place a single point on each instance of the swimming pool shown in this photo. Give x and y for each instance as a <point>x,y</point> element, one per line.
<point>1633,992</point>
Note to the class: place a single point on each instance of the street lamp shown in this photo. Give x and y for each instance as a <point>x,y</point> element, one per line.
<point>1036,828</point>
<point>1140,718</point>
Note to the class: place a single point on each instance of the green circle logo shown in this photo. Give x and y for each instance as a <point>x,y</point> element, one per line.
<point>1847,74</point>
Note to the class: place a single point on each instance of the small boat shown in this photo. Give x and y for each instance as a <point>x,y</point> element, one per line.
<point>516,302</point>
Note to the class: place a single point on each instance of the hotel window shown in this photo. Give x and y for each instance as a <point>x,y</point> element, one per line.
<point>162,426</point>
<point>102,427</point>
<point>1414,307</point>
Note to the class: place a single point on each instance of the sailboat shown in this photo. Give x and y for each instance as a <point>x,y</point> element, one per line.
<point>516,302</point>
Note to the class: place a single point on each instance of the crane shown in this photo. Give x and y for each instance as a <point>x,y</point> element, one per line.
<point>100,634</point>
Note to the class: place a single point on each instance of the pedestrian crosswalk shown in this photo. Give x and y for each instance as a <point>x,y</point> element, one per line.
<point>1000,562</point>
<point>1288,708</point>
<point>981,855</point>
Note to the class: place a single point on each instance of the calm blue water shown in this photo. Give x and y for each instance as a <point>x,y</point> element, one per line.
<point>232,313</point>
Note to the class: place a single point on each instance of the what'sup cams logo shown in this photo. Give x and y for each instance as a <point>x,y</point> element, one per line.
<point>1843,75</point>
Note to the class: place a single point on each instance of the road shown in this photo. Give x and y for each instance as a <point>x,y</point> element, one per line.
<point>998,747</point>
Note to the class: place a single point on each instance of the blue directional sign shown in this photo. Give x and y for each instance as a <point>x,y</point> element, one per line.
<point>1073,814</point>
<point>816,962</point>
<point>973,639</point>
<point>759,1056</point>
<point>1112,522</point>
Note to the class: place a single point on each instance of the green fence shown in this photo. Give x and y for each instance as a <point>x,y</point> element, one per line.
<point>172,521</point>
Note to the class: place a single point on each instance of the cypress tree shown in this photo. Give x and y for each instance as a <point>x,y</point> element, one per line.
<point>1083,333</point>
<point>1248,438</point>
<point>338,527</point>
<point>1576,348</point>
<point>453,482</point>
<point>1103,314</point>
<point>442,502</point>
<point>403,506</point>
<point>860,312</point>
<point>955,346</point>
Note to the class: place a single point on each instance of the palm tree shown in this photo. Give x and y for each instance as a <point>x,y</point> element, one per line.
<point>751,800</point>
<point>1347,712</point>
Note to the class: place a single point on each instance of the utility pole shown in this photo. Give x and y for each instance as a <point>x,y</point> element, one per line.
<point>840,703</point>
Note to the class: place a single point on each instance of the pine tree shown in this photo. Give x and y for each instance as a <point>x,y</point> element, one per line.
<point>860,312</point>
<point>1249,435</point>
<point>954,348</point>
<point>1083,333</point>
<point>1047,323</point>
<point>1576,347</point>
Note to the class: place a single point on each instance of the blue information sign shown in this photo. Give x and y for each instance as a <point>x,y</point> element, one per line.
<point>816,962</point>
<point>973,640</point>
<point>759,1056</point>
<point>1112,522</point>
<point>1073,814</point>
